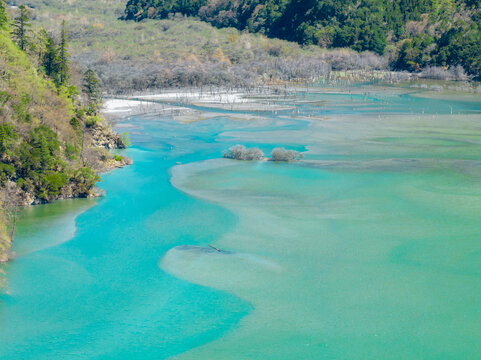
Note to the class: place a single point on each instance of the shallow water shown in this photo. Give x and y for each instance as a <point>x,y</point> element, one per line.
<point>370,248</point>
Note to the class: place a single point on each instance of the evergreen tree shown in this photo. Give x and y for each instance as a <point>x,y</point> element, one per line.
<point>21,28</point>
<point>63,55</point>
<point>3,15</point>
<point>40,44</point>
<point>50,60</point>
<point>91,89</point>
<point>7,136</point>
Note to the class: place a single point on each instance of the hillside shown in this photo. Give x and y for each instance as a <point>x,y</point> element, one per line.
<point>133,56</point>
<point>412,34</point>
<point>48,139</point>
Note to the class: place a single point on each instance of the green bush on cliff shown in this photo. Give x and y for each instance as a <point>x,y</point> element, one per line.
<point>91,121</point>
<point>8,135</point>
<point>3,16</point>
<point>53,182</point>
<point>7,172</point>
<point>85,178</point>
<point>71,151</point>
<point>41,133</point>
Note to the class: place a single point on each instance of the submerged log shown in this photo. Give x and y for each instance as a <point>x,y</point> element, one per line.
<point>213,247</point>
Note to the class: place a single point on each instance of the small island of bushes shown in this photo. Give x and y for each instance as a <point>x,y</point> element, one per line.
<point>240,152</point>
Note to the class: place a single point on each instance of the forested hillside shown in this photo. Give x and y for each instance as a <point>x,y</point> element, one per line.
<point>48,148</point>
<point>411,33</point>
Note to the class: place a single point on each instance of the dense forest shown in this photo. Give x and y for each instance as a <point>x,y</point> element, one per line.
<point>412,34</point>
<point>48,128</point>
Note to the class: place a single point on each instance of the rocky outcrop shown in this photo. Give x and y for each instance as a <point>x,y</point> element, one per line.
<point>17,196</point>
<point>113,163</point>
<point>102,136</point>
<point>21,198</point>
<point>99,140</point>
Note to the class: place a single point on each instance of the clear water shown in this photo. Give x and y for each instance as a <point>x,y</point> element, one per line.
<point>368,249</point>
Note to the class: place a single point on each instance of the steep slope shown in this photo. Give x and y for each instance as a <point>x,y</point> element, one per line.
<point>46,141</point>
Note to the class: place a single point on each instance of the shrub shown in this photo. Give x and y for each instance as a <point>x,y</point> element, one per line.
<point>118,158</point>
<point>124,140</point>
<point>440,73</point>
<point>75,123</point>
<point>254,154</point>
<point>85,179</point>
<point>92,121</point>
<point>6,172</point>
<point>240,152</point>
<point>435,72</point>
<point>71,151</point>
<point>7,137</point>
<point>281,154</point>
<point>236,152</point>
<point>53,183</point>
<point>437,88</point>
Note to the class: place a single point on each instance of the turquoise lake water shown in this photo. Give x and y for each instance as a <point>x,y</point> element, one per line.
<point>368,249</point>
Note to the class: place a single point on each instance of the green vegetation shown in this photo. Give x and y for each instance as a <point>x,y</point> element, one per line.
<point>125,139</point>
<point>92,91</point>
<point>413,33</point>
<point>178,51</point>
<point>21,28</point>
<point>63,56</point>
<point>91,121</point>
<point>128,56</point>
<point>46,150</point>
<point>3,15</point>
<point>50,60</point>
<point>36,116</point>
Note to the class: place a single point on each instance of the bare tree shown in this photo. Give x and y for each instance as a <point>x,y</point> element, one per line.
<point>11,204</point>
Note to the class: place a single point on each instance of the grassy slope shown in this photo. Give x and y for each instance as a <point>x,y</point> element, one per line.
<point>21,81</point>
<point>29,101</point>
<point>24,82</point>
<point>94,26</point>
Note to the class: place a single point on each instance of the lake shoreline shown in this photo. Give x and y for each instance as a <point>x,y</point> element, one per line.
<point>153,101</point>
<point>380,169</point>
<point>179,103</point>
<point>106,138</point>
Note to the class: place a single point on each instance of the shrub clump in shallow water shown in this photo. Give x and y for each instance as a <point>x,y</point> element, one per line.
<point>240,152</point>
<point>282,154</point>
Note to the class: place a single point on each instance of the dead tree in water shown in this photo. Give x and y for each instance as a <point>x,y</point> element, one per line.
<point>11,207</point>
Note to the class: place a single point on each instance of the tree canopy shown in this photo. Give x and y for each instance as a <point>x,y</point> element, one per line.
<point>3,15</point>
<point>414,33</point>
<point>21,27</point>
<point>91,88</point>
<point>40,133</point>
